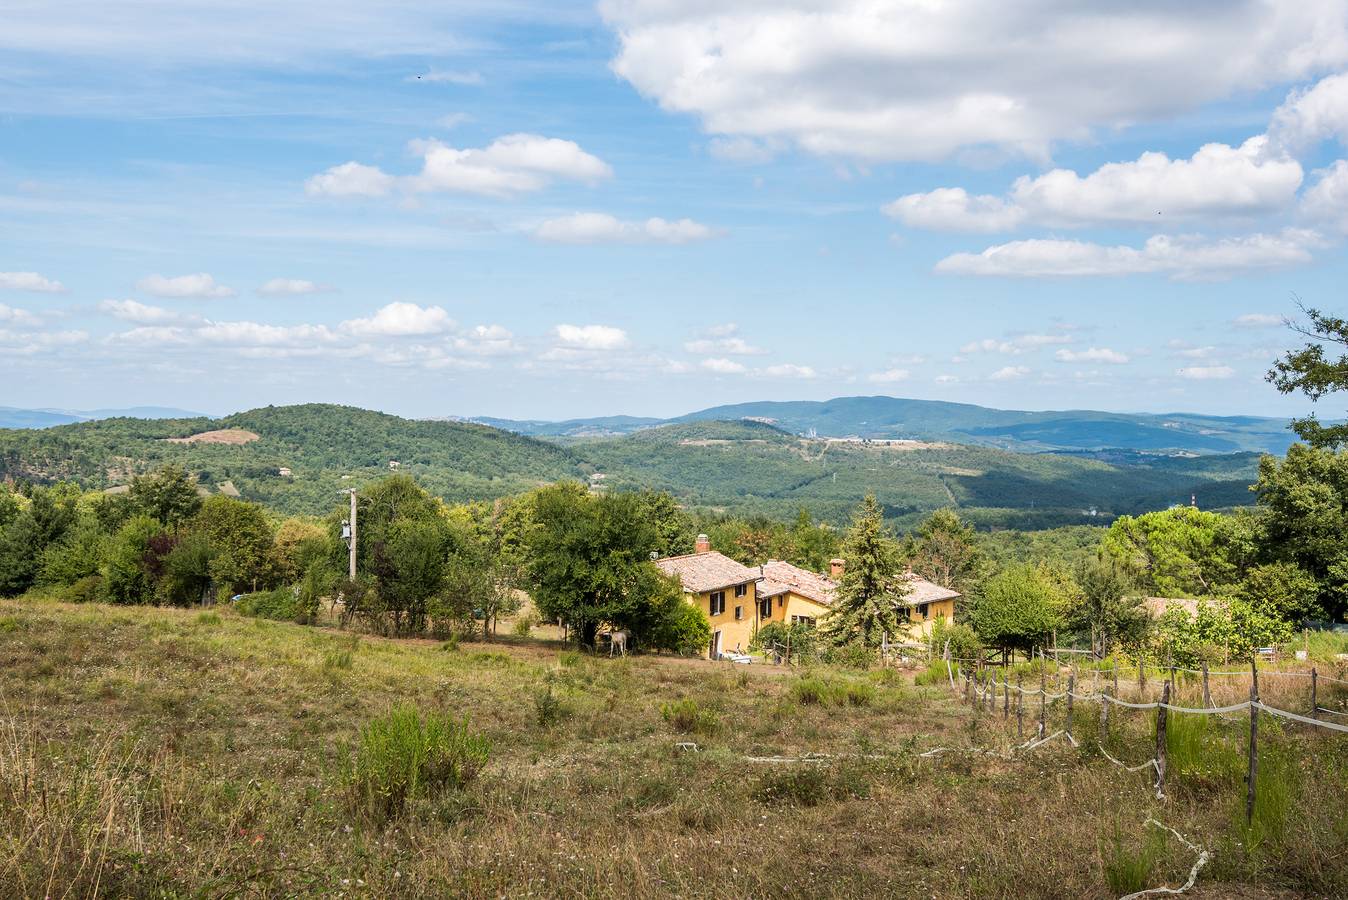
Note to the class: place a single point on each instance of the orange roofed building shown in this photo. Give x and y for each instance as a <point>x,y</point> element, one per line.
<point>739,599</point>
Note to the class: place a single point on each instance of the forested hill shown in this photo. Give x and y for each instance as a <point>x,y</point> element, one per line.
<point>744,467</point>
<point>318,443</point>
<point>750,467</point>
<point>965,423</point>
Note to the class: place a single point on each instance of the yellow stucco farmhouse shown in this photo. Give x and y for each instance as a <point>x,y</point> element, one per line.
<point>739,599</point>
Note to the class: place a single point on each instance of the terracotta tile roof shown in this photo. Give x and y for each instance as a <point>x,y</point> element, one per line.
<point>780,577</point>
<point>710,571</point>
<point>920,590</point>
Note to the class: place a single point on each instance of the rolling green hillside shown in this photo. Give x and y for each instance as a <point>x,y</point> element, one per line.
<point>752,467</point>
<point>319,443</point>
<point>965,423</point>
<point>744,467</point>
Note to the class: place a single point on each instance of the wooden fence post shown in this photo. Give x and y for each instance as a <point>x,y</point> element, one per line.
<point>968,691</point>
<point>1160,738</point>
<point>1071,684</point>
<point>1006,695</point>
<point>1315,701</point>
<point>1142,675</point>
<point>1252,777</point>
<point>1104,717</point>
<point>1020,708</point>
<point>1207,692</point>
<point>1172,678</point>
<point>1043,703</point>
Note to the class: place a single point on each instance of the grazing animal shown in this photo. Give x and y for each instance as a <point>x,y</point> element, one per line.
<point>617,642</point>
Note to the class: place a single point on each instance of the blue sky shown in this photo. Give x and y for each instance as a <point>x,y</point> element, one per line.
<point>546,211</point>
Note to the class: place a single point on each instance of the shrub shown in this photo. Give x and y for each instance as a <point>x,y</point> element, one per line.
<point>810,784</point>
<point>450,644</point>
<point>687,717</point>
<point>815,691</point>
<point>851,656</point>
<point>524,626</point>
<point>803,640</point>
<point>208,618</point>
<point>964,641</point>
<point>88,589</point>
<point>937,673</point>
<point>548,708</point>
<point>404,756</point>
<point>280,605</point>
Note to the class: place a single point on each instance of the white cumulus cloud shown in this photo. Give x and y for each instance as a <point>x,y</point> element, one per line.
<point>591,337</point>
<point>1312,115</point>
<point>1183,257</point>
<point>911,80</point>
<point>351,179</point>
<point>1218,180</point>
<point>18,317</point>
<point>184,287</point>
<point>30,281</point>
<point>722,366</point>
<point>1009,373</point>
<point>135,311</point>
<point>1093,354</point>
<point>401,320</point>
<point>515,163</point>
<point>889,376</point>
<point>602,228</point>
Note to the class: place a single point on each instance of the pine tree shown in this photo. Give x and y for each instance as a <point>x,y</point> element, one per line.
<point>866,603</point>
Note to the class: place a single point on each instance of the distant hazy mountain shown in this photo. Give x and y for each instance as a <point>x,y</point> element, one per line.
<point>10,417</point>
<point>1018,430</point>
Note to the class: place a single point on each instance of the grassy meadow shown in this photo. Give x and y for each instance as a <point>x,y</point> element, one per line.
<point>148,752</point>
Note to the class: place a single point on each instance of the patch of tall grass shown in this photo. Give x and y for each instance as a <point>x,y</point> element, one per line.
<point>1128,864</point>
<point>406,755</point>
<point>689,717</point>
<point>816,691</point>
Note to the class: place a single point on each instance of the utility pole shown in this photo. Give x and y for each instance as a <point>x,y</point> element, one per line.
<point>350,534</point>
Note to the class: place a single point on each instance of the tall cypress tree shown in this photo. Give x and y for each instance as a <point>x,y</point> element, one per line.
<point>866,603</point>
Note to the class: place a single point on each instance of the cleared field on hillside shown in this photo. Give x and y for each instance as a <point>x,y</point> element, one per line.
<point>155,752</point>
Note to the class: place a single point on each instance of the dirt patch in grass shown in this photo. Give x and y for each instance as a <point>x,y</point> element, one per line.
<point>232,436</point>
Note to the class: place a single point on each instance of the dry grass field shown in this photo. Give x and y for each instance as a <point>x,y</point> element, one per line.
<point>170,753</point>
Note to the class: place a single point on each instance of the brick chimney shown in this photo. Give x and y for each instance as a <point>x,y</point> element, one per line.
<point>835,568</point>
<point>703,544</point>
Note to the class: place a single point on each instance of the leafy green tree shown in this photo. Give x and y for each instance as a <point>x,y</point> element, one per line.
<point>812,544</point>
<point>39,525</point>
<point>167,495</point>
<point>240,541</point>
<point>126,571</point>
<point>76,555</point>
<point>1304,498</point>
<point>186,571</point>
<point>298,543</point>
<point>9,505</point>
<point>1020,607</point>
<point>673,528</point>
<point>1181,552</point>
<point>1109,608</point>
<point>410,566</point>
<point>589,563</point>
<point>945,550</point>
<point>1281,590</point>
<point>1312,373</point>
<point>866,602</point>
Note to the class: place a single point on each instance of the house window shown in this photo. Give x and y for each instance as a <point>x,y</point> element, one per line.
<point>765,608</point>
<point>741,590</point>
<point>924,609</point>
<point>739,612</point>
<point>781,601</point>
<point>717,603</point>
<point>802,620</point>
